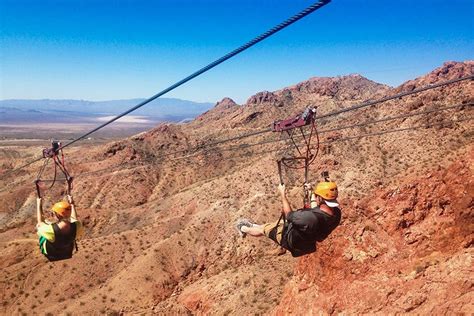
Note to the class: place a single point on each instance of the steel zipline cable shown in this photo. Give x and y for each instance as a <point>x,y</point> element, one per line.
<point>204,69</point>
<point>349,138</point>
<point>233,53</point>
<point>197,149</point>
<point>352,108</point>
<point>238,148</point>
<point>395,96</point>
<point>391,118</point>
<point>367,123</point>
<point>428,125</point>
<point>366,103</point>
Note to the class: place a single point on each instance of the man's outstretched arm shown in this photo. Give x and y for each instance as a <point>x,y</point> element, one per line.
<point>39,210</point>
<point>73,208</point>
<point>284,200</point>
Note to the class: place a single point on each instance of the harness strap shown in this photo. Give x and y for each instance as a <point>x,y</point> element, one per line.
<point>58,233</point>
<point>279,171</point>
<point>38,176</point>
<point>38,190</point>
<point>282,216</point>
<point>63,246</point>
<point>55,172</point>
<point>60,163</point>
<point>306,190</point>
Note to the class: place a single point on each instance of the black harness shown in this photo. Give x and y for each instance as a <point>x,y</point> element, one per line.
<point>63,245</point>
<point>301,242</point>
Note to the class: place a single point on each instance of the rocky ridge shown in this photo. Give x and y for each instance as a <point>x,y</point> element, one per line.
<point>163,227</point>
<point>399,250</point>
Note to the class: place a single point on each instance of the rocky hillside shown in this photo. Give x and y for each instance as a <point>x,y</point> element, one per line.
<point>403,249</point>
<point>160,235</point>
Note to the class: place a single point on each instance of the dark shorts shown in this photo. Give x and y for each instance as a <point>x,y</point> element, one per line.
<point>274,232</point>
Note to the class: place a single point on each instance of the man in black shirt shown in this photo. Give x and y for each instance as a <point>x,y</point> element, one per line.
<point>299,230</point>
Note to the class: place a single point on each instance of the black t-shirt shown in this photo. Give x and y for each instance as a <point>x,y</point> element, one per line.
<point>307,226</point>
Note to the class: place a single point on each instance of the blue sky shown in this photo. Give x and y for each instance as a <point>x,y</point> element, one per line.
<point>103,50</point>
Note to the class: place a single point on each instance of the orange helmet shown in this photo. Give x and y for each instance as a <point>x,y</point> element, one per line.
<point>328,191</point>
<point>62,208</point>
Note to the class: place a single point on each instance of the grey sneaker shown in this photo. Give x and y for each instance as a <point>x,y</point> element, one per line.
<point>243,222</point>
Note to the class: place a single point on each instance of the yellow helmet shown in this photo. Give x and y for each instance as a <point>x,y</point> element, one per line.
<point>62,208</point>
<point>328,191</point>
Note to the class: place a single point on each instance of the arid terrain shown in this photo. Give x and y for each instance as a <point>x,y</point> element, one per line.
<point>160,236</point>
<point>15,132</point>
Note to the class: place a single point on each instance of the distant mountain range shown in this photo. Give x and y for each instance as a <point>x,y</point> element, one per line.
<point>163,109</point>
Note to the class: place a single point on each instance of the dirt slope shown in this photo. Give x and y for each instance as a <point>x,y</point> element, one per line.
<point>160,236</point>
<point>403,249</point>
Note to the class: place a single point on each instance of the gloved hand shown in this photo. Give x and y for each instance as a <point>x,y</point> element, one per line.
<point>70,199</point>
<point>282,189</point>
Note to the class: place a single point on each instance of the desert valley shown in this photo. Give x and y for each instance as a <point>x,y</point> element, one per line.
<point>159,212</point>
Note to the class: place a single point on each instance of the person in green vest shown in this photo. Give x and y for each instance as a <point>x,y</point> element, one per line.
<point>57,240</point>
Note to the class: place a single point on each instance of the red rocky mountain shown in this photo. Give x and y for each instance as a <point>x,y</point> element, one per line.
<point>160,236</point>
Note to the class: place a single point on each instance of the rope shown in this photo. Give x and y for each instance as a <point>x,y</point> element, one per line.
<point>347,138</point>
<point>362,105</point>
<point>396,117</point>
<point>370,134</point>
<point>339,128</point>
<point>395,96</point>
<point>233,53</point>
<point>237,51</point>
<point>366,103</point>
<point>21,167</point>
<point>197,148</point>
<point>275,150</point>
<point>40,173</point>
<point>397,130</point>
